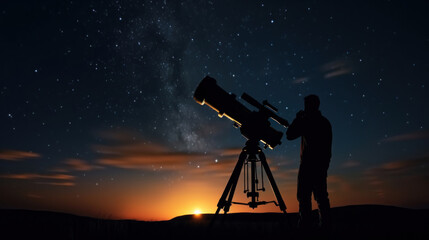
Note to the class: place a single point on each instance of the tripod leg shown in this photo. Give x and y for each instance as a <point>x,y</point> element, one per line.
<point>230,188</point>
<point>231,193</point>
<point>276,191</point>
<point>232,182</point>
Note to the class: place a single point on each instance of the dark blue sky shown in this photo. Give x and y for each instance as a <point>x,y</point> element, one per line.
<point>94,92</point>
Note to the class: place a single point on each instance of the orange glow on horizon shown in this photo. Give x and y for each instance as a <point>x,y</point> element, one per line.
<point>158,202</point>
<point>193,198</point>
<point>150,182</point>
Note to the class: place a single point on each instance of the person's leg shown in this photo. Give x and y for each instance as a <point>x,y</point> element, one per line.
<point>304,197</point>
<point>321,196</point>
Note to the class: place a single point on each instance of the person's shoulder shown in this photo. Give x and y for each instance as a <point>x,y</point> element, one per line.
<point>324,119</point>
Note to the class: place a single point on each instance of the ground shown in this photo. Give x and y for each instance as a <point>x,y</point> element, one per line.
<point>350,222</point>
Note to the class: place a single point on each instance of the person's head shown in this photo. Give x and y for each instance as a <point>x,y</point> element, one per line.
<point>311,103</point>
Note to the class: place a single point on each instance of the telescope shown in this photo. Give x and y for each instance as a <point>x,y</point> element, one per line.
<point>254,125</point>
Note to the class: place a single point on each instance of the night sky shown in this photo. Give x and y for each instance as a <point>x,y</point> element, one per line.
<point>97,116</point>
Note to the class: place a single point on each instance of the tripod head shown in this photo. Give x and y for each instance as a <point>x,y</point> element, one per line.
<point>250,154</point>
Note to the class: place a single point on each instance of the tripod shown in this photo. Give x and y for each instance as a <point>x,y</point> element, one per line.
<point>248,156</point>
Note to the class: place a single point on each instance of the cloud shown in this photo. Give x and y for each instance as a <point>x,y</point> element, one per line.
<point>133,152</point>
<point>79,165</point>
<point>32,195</point>
<point>38,176</point>
<point>300,80</point>
<point>336,68</point>
<point>136,153</point>
<point>66,184</point>
<point>127,152</point>
<point>328,70</point>
<point>17,155</point>
<point>408,136</point>
<point>140,155</point>
<point>154,159</point>
<point>397,179</point>
<point>62,179</point>
<point>229,152</point>
<point>351,163</point>
<point>400,170</point>
<point>339,183</point>
<point>337,73</point>
<point>400,166</point>
<point>148,160</point>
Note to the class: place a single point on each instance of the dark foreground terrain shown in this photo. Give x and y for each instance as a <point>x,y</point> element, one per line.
<point>351,222</point>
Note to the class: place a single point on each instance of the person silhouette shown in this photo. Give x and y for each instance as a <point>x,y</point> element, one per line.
<point>316,141</point>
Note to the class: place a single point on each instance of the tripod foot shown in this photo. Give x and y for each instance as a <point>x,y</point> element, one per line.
<point>212,221</point>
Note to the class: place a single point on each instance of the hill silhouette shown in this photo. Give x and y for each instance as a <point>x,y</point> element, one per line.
<point>349,222</point>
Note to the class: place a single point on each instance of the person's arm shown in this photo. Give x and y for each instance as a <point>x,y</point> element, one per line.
<point>295,129</point>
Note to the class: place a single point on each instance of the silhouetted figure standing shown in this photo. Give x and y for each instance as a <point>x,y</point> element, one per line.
<point>316,140</point>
